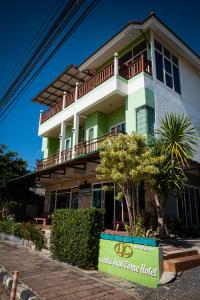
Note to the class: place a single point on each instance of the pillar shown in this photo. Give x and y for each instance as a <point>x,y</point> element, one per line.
<point>116,64</point>
<point>62,139</point>
<point>75,132</point>
<point>76,91</point>
<point>64,99</point>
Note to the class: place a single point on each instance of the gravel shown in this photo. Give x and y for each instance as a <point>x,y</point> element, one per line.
<point>185,287</point>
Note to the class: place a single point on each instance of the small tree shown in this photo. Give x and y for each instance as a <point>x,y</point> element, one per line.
<point>127,160</point>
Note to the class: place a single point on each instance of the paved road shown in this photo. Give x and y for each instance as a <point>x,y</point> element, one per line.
<point>54,280</point>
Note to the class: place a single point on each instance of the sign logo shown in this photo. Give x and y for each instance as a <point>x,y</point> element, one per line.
<point>123,250</point>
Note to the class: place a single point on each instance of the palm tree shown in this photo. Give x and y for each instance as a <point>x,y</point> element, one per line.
<point>170,176</point>
<point>178,138</point>
<point>176,144</point>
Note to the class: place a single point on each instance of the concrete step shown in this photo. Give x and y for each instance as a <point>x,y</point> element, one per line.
<point>179,253</point>
<point>181,263</point>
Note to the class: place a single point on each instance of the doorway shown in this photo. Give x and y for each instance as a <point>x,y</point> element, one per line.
<point>109,208</point>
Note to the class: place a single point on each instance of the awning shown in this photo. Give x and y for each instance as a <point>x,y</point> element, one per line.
<point>63,83</point>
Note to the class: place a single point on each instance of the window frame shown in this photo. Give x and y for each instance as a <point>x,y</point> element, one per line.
<point>172,64</point>
<point>116,125</point>
<point>147,124</point>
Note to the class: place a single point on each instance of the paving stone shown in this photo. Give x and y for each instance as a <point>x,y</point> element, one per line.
<point>56,280</point>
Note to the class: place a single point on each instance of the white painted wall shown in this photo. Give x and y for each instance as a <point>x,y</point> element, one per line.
<point>167,100</point>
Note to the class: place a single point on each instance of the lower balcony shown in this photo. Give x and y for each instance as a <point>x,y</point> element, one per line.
<point>81,149</point>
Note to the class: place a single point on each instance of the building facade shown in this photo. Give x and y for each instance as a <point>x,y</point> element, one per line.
<point>127,85</point>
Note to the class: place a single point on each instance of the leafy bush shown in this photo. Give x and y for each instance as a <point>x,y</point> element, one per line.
<point>25,231</point>
<point>75,236</point>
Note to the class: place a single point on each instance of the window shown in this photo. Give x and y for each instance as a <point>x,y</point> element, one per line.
<point>119,127</point>
<point>68,144</point>
<point>167,67</point>
<point>134,54</point>
<point>96,198</point>
<point>90,134</point>
<point>145,120</point>
<point>59,199</point>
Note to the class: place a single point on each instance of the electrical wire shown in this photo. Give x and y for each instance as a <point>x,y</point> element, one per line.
<point>67,36</point>
<point>31,63</point>
<point>38,35</point>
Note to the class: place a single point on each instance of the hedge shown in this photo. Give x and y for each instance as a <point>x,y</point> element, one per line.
<point>25,231</point>
<point>75,236</point>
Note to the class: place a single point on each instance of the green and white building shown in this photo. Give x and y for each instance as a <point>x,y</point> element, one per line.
<point>127,85</point>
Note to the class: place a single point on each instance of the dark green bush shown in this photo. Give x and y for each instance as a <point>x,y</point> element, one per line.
<point>75,236</point>
<point>25,231</point>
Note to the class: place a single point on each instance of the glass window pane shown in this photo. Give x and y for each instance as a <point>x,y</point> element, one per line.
<point>168,66</point>
<point>175,59</point>
<point>91,134</point>
<point>159,66</point>
<point>139,48</point>
<point>167,53</point>
<point>63,201</point>
<point>177,85</point>
<point>96,198</point>
<point>52,202</point>
<point>169,81</point>
<point>74,200</point>
<point>126,57</point>
<point>158,45</point>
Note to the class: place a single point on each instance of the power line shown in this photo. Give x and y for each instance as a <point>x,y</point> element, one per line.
<point>89,8</point>
<point>22,75</point>
<point>37,35</point>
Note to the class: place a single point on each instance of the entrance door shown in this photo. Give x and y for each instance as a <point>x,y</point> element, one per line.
<point>109,209</point>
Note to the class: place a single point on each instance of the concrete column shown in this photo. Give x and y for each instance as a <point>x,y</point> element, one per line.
<point>116,64</point>
<point>62,139</point>
<point>76,91</point>
<point>75,132</point>
<point>64,100</point>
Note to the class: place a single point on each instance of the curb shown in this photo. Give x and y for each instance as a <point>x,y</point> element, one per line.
<point>23,291</point>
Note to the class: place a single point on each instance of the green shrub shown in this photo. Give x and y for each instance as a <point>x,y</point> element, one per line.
<point>75,236</point>
<point>25,231</point>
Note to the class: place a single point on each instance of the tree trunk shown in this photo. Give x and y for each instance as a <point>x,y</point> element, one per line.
<point>131,208</point>
<point>160,212</point>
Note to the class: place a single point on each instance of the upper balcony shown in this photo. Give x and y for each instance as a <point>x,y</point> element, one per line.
<point>81,90</point>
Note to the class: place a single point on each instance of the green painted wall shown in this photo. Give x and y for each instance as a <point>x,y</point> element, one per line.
<point>53,146</point>
<point>139,98</point>
<point>102,122</point>
<point>50,146</point>
<point>115,118</point>
<point>134,262</point>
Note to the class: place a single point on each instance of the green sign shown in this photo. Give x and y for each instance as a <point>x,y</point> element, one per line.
<point>133,262</point>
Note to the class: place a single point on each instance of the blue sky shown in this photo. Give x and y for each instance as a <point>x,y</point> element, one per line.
<point>19,21</point>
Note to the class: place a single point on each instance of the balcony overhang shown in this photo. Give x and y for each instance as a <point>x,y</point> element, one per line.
<point>71,170</point>
<point>63,83</point>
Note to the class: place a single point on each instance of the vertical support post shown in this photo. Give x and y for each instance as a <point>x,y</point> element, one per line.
<point>62,139</point>
<point>14,286</point>
<point>41,112</point>
<point>116,64</point>
<point>64,99</point>
<point>76,91</point>
<point>75,132</point>
<point>153,67</point>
